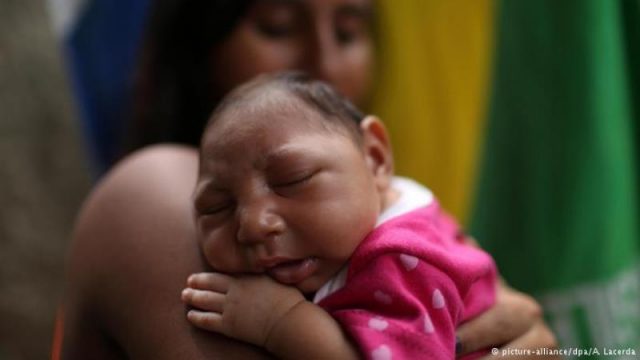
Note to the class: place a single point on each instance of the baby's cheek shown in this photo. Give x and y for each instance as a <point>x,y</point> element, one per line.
<point>221,253</point>
<point>354,233</point>
<point>344,238</point>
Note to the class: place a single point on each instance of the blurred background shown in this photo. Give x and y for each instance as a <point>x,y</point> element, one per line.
<point>44,174</point>
<point>522,116</point>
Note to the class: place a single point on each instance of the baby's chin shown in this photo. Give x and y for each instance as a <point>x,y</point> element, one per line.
<point>310,286</point>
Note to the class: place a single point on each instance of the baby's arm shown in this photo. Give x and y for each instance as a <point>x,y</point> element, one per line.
<point>263,312</point>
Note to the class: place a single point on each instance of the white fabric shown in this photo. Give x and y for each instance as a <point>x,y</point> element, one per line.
<point>411,196</point>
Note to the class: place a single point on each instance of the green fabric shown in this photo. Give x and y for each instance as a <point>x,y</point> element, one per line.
<point>557,200</point>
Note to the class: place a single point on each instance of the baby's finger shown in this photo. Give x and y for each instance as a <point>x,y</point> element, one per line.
<point>203,300</point>
<point>205,320</point>
<point>210,281</point>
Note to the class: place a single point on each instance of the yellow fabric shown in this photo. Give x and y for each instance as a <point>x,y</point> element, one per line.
<point>432,90</point>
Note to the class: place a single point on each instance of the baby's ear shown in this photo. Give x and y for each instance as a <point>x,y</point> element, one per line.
<point>377,151</point>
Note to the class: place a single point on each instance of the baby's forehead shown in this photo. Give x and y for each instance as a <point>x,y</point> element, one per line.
<point>278,102</point>
<point>258,112</point>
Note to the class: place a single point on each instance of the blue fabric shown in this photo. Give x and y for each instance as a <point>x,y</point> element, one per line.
<point>102,48</point>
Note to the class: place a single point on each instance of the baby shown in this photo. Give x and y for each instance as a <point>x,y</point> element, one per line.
<point>296,184</point>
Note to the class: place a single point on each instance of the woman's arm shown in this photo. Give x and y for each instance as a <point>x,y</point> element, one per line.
<point>132,249</point>
<point>515,321</point>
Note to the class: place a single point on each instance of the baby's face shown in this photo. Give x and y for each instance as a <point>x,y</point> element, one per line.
<point>280,194</point>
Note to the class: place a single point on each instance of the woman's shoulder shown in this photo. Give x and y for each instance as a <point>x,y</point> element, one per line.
<point>152,185</point>
<point>152,167</point>
<point>158,154</point>
<point>142,200</point>
<point>162,174</point>
<point>154,182</point>
<point>133,246</point>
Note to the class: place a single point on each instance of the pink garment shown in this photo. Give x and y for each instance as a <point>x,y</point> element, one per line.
<point>409,284</point>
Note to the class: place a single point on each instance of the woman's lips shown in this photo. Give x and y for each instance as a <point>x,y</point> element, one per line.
<point>293,272</point>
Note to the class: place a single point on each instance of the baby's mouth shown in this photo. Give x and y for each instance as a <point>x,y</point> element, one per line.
<point>293,271</point>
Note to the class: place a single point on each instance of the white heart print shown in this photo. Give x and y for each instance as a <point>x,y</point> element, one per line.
<point>382,297</point>
<point>378,323</point>
<point>409,262</point>
<point>382,352</point>
<point>428,324</point>
<point>437,300</point>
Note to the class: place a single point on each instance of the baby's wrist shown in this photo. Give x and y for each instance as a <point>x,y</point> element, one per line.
<point>274,339</point>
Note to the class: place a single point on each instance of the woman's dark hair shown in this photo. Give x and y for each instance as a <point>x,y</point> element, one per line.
<point>172,95</point>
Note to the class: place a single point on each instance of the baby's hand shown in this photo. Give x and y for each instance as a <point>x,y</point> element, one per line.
<point>245,307</point>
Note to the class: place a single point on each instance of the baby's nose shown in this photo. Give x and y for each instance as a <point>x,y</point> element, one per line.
<point>259,224</point>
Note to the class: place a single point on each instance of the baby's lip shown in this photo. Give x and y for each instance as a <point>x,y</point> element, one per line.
<point>266,263</point>
<point>292,271</point>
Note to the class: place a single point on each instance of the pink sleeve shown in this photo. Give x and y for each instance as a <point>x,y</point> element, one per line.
<point>399,307</point>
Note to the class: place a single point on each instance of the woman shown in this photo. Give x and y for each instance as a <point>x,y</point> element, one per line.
<point>134,241</point>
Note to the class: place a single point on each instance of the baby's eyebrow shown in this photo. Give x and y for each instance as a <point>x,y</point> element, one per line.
<point>282,152</point>
<point>199,189</point>
<point>285,151</point>
<point>203,186</point>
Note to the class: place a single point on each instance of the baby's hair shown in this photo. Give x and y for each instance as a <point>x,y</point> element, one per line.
<point>316,94</point>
